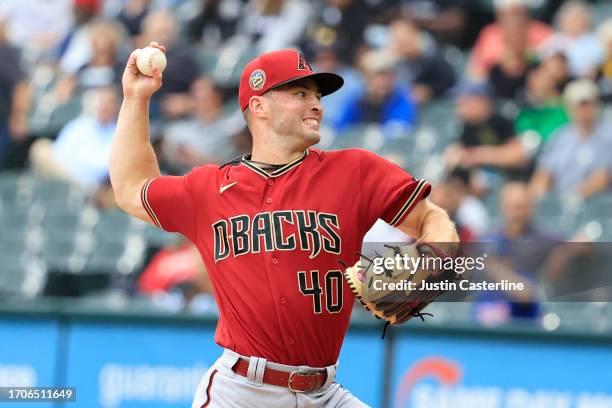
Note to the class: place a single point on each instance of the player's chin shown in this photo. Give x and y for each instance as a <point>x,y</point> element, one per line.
<point>312,136</point>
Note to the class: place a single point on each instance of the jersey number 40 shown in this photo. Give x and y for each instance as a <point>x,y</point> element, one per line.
<point>332,295</point>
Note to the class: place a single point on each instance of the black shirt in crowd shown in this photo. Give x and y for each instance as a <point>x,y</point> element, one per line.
<point>495,131</point>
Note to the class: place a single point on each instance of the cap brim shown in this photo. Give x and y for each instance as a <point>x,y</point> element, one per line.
<point>327,82</point>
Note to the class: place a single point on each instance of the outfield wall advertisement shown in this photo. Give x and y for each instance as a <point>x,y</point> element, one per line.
<point>135,365</point>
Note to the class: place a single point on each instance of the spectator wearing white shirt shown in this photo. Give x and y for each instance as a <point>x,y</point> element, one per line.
<point>37,24</point>
<point>576,161</point>
<point>81,152</point>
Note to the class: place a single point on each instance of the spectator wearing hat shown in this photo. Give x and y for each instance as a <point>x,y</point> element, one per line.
<point>577,159</point>
<point>513,25</point>
<point>423,68</point>
<point>487,139</point>
<point>381,101</point>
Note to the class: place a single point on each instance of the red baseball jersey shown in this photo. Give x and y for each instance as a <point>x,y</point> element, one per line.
<point>271,243</point>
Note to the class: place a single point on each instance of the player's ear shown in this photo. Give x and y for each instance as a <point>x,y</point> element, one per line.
<point>258,106</point>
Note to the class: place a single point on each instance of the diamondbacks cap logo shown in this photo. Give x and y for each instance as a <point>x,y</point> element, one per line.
<point>302,64</point>
<point>257,79</point>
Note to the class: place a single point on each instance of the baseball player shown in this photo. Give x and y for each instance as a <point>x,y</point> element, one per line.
<point>271,226</point>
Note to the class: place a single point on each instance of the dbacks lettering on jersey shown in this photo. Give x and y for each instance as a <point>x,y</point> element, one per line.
<point>267,231</point>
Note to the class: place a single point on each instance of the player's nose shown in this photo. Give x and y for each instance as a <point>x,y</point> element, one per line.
<point>316,106</point>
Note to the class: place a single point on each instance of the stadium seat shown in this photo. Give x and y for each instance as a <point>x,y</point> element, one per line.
<point>59,192</point>
<point>113,226</point>
<point>12,273</point>
<point>16,188</point>
<point>57,253</point>
<point>157,238</point>
<point>105,257</point>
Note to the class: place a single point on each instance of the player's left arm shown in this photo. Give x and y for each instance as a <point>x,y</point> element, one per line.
<point>429,223</point>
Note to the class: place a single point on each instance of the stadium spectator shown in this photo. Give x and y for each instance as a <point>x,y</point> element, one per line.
<point>575,39</point>
<point>74,49</point>
<point>466,210</point>
<point>14,98</point>
<point>508,77</point>
<point>104,66</point>
<point>339,24</point>
<point>81,151</point>
<point>577,160</point>
<point>326,59</point>
<point>267,25</point>
<point>172,100</point>
<point>445,19</point>
<point>515,252</point>
<point>178,265</point>
<point>382,101</point>
<point>423,68</point>
<point>604,73</point>
<point>543,111</point>
<point>487,138</point>
<point>38,25</point>
<point>516,206</point>
<point>213,22</point>
<point>513,25</point>
<point>557,67</point>
<point>132,14</point>
<point>205,136</point>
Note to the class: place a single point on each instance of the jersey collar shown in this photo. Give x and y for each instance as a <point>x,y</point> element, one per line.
<point>278,172</point>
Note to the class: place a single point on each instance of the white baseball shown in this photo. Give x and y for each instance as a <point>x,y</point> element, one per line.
<point>150,57</point>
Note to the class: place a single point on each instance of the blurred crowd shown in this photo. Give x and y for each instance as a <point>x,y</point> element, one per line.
<point>526,82</point>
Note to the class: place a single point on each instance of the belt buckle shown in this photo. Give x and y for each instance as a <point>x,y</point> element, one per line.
<point>306,374</point>
<point>291,379</point>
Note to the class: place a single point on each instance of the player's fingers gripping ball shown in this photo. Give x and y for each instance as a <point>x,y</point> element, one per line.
<point>150,58</point>
<point>389,285</point>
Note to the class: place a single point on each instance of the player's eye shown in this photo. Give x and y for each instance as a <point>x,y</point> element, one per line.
<point>301,94</point>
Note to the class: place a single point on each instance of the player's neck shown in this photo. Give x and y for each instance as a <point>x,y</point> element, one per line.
<point>276,155</point>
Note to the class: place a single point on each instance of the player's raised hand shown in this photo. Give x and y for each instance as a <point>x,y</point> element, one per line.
<point>136,84</point>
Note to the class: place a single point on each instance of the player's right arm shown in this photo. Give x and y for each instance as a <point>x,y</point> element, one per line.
<point>133,161</point>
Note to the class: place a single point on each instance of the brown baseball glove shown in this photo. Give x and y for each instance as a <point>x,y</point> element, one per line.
<point>401,288</point>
